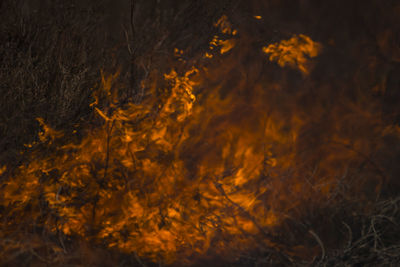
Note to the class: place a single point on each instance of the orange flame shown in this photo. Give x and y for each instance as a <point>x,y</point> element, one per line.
<point>293,52</point>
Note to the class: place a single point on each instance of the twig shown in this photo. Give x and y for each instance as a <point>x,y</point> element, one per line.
<point>38,256</point>
<point>108,149</point>
<point>368,159</point>
<point>109,131</point>
<point>132,20</point>
<point>320,244</point>
<point>246,213</point>
<point>350,234</point>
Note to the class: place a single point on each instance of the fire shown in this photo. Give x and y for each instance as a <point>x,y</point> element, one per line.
<point>293,52</point>
<point>199,165</point>
<point>225,26</point>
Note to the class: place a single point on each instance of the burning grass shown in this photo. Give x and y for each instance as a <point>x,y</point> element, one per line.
<point>247,151</point>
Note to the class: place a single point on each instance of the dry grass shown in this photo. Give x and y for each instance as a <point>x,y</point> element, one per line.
<point>48,66</point>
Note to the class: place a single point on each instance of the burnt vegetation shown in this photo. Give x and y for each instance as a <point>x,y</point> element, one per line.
<point>342,207</point>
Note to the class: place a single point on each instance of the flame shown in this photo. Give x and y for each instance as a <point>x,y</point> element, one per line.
<point>225,26</point>
<point>200,164</point>
<point>224,44</point>
<point>294,52</point>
